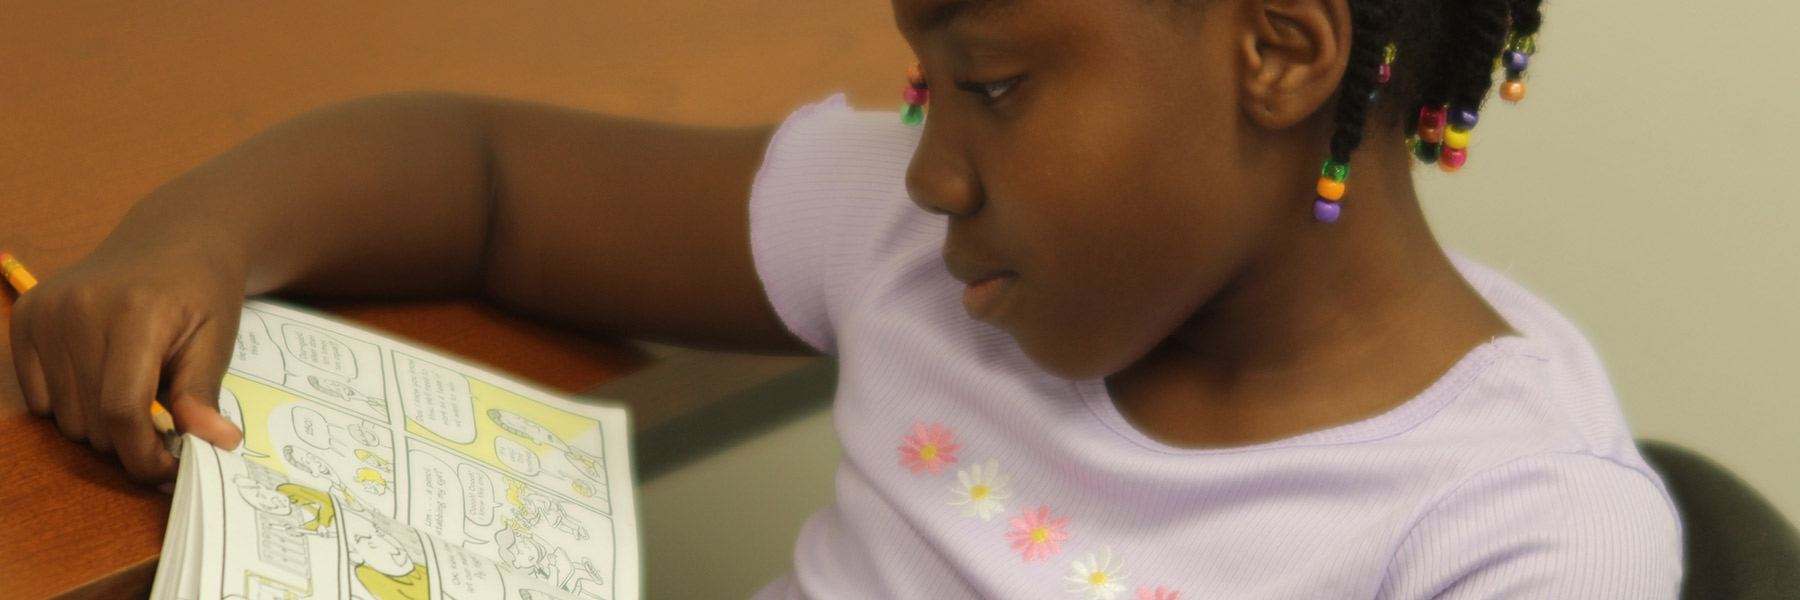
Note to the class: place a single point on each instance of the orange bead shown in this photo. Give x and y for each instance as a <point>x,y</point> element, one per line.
<point>1512,91</point>
<point>1331,190</point>
<point>1432,135</point>
<point>915,76</point>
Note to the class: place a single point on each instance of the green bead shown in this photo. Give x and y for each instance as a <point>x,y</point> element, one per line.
<point>912,114</point>
<point>1524,44</point>
<point>1428,151</point>
<point>1334,170</point>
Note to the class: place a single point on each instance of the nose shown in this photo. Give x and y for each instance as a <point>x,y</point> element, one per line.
<point>941,179</point>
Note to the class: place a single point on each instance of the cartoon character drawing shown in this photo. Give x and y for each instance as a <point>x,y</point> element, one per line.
<point>532,508</point>
<point>372,481</point>
<point>364,435</point>
<point>306,461</point>
<point>526,428</point>
<point>384,565</point>
<point>527,553</point>
<point>283,499</point>
<point>375,461</point>
<point>343,391</point>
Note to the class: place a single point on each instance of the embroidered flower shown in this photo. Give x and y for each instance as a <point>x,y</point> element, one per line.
<point>1161,593</point>
<point>979,490</point>
<point>1037,536</point>
<point>1098,575</point>
<point>928,449</point>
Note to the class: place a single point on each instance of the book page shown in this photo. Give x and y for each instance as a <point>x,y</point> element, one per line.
<point>358,441</point>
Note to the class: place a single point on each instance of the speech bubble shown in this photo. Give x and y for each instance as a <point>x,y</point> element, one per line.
<point>465,575</point>
<point>516,456</point>
<point>319,349</point>
<point>478,495</point>
<point>312,427</point>
<point>437,399</point>
<point>253,352</point>
<point>437,498</point>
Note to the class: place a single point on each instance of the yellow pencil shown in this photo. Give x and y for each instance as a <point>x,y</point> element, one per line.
<point>22,281</point>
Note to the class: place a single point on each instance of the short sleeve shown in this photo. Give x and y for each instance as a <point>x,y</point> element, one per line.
<point>832,181</point>
<point>1548,526</point>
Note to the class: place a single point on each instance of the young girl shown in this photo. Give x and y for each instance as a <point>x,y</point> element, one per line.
<point>1106,328</point>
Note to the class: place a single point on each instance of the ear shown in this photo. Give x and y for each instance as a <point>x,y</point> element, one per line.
<point>1295,53</point>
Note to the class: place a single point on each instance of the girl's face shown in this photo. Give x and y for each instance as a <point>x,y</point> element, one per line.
<point>1092,152</point>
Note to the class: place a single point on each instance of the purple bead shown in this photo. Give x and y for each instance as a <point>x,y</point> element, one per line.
<point>1514,60</point>
<point>1463,117</point>
<point>1325,211</point>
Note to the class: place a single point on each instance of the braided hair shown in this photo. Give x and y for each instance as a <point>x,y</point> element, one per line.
<point>1445,56</point>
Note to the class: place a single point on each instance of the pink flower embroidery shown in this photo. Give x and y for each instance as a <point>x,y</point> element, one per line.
<point>1161,593</point>
<point>1037,535</point>
<point>928,449</point>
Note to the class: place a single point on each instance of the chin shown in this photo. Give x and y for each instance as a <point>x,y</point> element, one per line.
<point>1074,361</point>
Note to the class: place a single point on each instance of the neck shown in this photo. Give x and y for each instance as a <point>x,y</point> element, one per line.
<point>1331,322</point>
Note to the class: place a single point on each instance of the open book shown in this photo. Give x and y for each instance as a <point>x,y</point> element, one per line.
<point>373,469</point>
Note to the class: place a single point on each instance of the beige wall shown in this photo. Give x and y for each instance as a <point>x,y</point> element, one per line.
<point>1644,187</point>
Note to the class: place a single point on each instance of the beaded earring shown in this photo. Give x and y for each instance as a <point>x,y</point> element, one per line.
<point>1514,60</point>
<point>912,112</point>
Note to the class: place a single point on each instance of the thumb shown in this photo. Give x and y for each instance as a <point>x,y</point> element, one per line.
<point>196,372</point>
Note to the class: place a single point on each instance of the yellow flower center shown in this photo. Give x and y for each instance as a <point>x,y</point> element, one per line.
<point>1039,535</point>
<point>978,492</point>
<point>928,452</point>
<point>1097,578</point>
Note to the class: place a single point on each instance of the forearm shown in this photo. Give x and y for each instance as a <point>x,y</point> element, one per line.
<point>385,196</point>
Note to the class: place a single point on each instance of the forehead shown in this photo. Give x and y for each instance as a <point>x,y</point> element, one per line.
<point>924,16</point>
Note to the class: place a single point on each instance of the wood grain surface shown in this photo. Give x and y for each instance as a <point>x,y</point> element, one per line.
<point>102,101</point>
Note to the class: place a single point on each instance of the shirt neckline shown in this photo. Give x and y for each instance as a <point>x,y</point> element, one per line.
<point>1446,389</point>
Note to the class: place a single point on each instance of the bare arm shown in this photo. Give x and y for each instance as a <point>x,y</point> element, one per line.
<point>612,225</point>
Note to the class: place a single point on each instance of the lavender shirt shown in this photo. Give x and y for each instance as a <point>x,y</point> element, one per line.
<point>968,472</point>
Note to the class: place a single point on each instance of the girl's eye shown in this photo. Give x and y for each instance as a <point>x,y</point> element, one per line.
<point>988,90</point>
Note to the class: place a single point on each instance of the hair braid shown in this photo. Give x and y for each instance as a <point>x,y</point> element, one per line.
<point>1478,34</point>
<point>1367,39</point>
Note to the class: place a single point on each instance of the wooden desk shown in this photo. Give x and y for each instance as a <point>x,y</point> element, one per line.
<point>103,101</point>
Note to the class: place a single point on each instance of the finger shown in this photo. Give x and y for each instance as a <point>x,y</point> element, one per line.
<point>129,385</point>
<point>197,370</point>
<point>29,368</point>
<point>89,364</point>
<point>63,401</point>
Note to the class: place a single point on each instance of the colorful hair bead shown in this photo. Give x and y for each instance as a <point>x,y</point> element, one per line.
<point>1331,190</point>
<point>912,113</point>
<point>1427,151</point>
<point>1514,60</point>
<point>1453,159</point>
<point>1326,211</point>
<point>1431,123</point>
<point>1512,91</point>
<point>1456,138</point>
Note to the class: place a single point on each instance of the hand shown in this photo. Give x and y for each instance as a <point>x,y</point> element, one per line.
<point>92,342</point>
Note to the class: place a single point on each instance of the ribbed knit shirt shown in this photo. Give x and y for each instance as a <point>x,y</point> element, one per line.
<point>969,472</point>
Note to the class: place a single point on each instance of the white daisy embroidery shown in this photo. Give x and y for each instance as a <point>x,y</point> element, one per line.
<point>1100,575</point>
<point>979,490</point>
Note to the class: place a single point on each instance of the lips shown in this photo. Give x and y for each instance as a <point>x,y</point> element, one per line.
<point>985,286</point>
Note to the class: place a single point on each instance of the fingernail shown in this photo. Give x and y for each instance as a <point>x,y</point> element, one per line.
<point>167,488</point>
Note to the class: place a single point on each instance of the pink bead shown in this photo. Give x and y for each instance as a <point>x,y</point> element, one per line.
<point>917,96</point>
<point>1384,74</point>
<point>1431,117</point>
<point>1453,159</point>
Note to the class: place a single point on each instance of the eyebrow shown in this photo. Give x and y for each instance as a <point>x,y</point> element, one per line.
<point>943,15</point>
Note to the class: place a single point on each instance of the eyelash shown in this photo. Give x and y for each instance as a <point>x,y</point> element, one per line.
<point>989,91</point>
